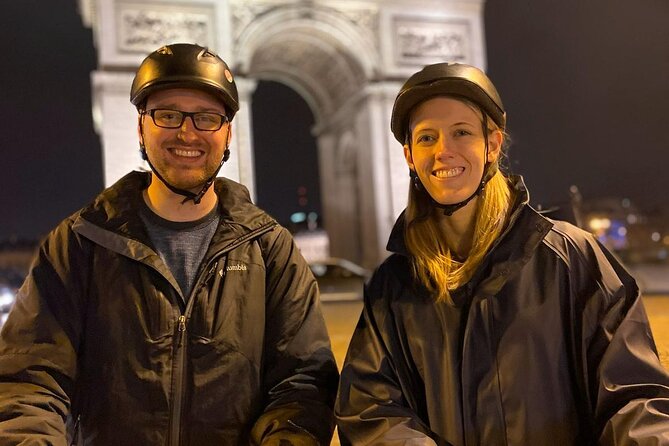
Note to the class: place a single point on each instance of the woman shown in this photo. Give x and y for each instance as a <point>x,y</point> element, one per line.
<point>491,324</point>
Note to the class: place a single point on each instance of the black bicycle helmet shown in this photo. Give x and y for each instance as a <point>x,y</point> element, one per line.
<point>445,79</point>
<point>185,65</point>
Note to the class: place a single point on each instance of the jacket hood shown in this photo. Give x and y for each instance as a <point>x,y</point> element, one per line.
<point>520,196</point>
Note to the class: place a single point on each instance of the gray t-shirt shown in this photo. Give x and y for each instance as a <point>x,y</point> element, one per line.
<point>181,245</point>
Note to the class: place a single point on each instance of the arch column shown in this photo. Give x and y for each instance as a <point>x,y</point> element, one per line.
<point>343,195</point>
<point>115,120</point>
<point>383,187</point>
<point>240,165</point>
<point>361,204</point>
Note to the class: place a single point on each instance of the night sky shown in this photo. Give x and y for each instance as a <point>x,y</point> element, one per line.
<point>584,84</point>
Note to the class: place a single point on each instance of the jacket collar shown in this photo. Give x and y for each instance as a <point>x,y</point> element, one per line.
<point>115,210</point>
<point>524,232</point>
<point>396,242</point>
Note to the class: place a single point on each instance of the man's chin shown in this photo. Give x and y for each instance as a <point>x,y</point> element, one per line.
<point>193,186</point>
<point>190,181</point>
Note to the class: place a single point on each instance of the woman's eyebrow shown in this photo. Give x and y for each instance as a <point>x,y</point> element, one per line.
<point>463,122</point>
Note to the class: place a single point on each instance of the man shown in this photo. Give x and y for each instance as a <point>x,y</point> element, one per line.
<point>170,311</point>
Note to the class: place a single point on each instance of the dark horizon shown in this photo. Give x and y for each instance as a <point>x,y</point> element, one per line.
<point>583,83</point>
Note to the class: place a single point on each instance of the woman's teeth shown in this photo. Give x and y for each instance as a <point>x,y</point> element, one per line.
<point>448,173</point>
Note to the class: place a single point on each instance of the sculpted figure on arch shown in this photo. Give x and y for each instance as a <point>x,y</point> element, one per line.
<point>171,310</point>
<point>490,324</point>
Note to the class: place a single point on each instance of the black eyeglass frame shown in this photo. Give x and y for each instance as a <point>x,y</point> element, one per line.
<point>184,115</point>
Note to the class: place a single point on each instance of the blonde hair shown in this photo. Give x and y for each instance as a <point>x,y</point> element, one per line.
<point>432,261</point>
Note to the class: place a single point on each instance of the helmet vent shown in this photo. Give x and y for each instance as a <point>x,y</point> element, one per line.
<point>207,56</point>
<point>165,51</point>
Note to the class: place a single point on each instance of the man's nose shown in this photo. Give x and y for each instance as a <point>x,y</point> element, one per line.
<point>187,131</point>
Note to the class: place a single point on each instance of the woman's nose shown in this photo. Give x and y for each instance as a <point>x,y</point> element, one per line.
<point>442,149</point>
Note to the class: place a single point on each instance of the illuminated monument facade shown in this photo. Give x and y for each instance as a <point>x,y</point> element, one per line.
<point>346,58</point>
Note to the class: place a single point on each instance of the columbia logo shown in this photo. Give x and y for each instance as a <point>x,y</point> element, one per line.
<point>238,267</point>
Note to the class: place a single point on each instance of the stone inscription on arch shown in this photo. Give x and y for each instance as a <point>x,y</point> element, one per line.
<point>142,28</point>
<point>421,42</point>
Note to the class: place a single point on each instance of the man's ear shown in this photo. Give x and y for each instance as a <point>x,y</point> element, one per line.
<point>139,129</point>
<point>408,157</point>
<point>229,137</point>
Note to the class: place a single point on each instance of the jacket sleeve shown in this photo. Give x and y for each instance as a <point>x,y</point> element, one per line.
<point>628,386</point>
<point>38,348</point>
<point>299,372</point>
<point>374,404</point>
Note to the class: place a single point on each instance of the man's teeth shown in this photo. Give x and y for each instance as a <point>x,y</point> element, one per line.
<point>187,153</point>
<point>449,173</point>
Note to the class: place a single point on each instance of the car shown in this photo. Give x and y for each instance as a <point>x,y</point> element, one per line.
<point>7,297</point>
<point>10,280</point>
<point>339,279</point>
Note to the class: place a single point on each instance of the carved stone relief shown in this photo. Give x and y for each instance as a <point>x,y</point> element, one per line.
<point>420,42</point>
<point>143,27</point>
<point>244,13</point>
<point>364,18</point>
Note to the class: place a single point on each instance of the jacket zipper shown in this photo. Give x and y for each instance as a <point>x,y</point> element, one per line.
<point>180,361</point>
<point>180,357</point>
<point>75,435</point>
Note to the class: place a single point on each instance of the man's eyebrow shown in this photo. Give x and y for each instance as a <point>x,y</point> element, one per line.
<point>173,106</point>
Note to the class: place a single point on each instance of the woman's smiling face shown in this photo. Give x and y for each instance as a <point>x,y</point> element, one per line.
<point>447,148</point>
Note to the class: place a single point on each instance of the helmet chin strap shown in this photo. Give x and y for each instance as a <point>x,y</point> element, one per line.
<point>489,170</point>
<point>195,197</point>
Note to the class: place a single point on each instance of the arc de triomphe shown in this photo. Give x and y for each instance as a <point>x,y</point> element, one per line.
<point>346,58</point>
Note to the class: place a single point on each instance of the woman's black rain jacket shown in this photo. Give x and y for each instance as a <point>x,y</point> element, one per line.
<point>548,344</point>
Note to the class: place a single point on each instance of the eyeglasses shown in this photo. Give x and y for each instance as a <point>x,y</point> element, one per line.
<point>173,119</point>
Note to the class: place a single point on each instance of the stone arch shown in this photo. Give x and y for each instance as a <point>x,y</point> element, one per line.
<point>328,22</point>
<point>346,58</point>
<point>329,59</point>
<point>316,50</point>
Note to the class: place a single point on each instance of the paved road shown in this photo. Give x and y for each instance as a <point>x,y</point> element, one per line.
<point>657,308</point>
<point>341,318</point>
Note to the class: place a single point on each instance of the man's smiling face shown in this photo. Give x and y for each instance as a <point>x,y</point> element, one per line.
<point>186,157</point>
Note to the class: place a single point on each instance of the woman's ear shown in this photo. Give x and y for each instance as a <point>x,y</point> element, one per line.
<point>495,141</point>
<point>408,157</point>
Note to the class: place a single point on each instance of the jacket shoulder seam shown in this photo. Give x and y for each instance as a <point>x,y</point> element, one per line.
<point>572,244</point>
